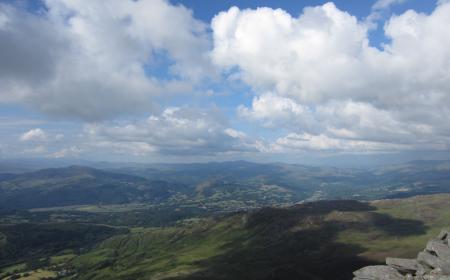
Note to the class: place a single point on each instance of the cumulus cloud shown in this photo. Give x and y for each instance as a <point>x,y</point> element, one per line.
<point>317,75</point>
<point>277,111</point>
<point>379,9</point>
<point>383,4</point>
<point>93,60</point>
<point>71,151</point>
<point>176,131</point>
<point>39,135</point>
<point>303,57</point>
<point>36,134</point>
<point>309,142</point>
<point>316,78</point>
<point>37,142</point>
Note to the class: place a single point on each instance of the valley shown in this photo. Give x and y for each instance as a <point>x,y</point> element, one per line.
<point>310,240</point>
<point>266,222</point>
<point>224,140</point>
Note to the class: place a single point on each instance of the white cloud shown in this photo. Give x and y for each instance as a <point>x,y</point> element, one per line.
<point>38,150</point>
<point>318,75</point>
<point>275,111</point>
<point>316,79</point>
<point>71,151</point>
<point>90,59</point>
<point>379,9</point>
<point>36,134</point>
<point>305,57</point>
<point>176,131</point>
<point>384,4</point>
<point>39,135</point>
<point>37,142</point>
<point>308,142</point>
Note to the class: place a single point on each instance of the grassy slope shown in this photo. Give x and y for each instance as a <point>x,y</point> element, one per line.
<point>309,241</point>
<point>304,242</point>
<point>28,241</point>
<point>159,252</point>
<point>431,213</point>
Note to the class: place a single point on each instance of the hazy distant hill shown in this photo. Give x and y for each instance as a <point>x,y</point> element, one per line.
<point>222,186</point>
<point>415,178</point>
<point>418,177</point>
<point>78,185</point>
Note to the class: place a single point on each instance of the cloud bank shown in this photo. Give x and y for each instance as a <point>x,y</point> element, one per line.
<point>92,60</point>
<point>316,81</point>
<point>318,74</point>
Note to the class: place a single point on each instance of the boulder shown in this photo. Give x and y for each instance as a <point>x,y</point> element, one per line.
<point>436,274</point>
<point>440,249</point>
<point>433,263</point>
<point>377,272</point>
<point>402,265</point>
<point>444,266</point>
<point>427,259</point>
<point>443,235</point>
<point>422,269</point>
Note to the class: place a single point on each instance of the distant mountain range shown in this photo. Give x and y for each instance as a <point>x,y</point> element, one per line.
<point>220,185</point>
<point>77,185</point>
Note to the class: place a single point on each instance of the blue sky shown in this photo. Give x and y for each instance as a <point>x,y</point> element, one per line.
<point>178,81</point>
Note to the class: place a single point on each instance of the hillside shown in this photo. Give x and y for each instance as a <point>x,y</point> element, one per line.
<point>308,182</point>
<point>217,187</point>
<point>272,221</point>
<point>76,185</point>
<point>30,241</point>
<point>310,241</point>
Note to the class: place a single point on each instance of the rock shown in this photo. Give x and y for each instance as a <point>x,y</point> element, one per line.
<point>436,274</point>
<point>377,272</point>
<point>427,259</point>
<point>402,265</point>
<point>422,269</point>
<point>431,264</point>
<point>440,249</point>
<point>443,235</point>
<point>444,266</point>
<point>442,253</point>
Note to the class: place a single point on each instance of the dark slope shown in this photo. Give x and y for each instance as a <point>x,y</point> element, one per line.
<point>29,241</point>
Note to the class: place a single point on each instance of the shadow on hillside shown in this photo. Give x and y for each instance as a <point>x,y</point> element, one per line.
<point>397,226</point>
<point>299,243</point>
<point>29,241</point>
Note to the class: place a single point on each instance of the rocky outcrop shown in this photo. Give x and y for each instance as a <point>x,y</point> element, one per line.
<point>433,263</point>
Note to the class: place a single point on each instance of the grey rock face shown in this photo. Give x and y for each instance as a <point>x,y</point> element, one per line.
<point>433,263</point>
<point>441,249</point>
<point>443,235</point>
<point>422,269</point>
<point>427,259</point>
<point>377,272</point>
<point>403,265</point>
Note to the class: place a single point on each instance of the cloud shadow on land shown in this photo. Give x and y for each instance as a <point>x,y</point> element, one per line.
<point>299,243</point>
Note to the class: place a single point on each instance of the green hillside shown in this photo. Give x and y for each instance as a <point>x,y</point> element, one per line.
<point>29,241</point>
<point>310,241</point>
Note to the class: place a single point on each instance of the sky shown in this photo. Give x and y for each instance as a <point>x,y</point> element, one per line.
<point>318,82</point>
